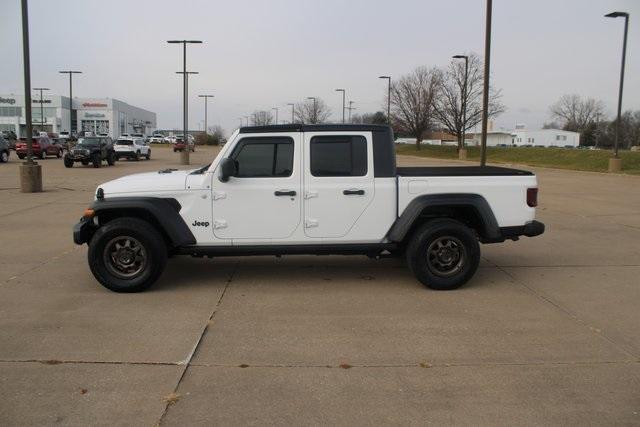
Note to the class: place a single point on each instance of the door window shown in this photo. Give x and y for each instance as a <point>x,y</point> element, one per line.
<point>338,156</point>
<point>270,157</point>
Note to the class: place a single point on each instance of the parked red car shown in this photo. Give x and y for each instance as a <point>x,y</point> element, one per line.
<point>180,145</point>
<point>42,147</point>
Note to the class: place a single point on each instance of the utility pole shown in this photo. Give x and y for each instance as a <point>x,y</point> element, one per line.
<point>350,107</point>
<point>293,110</point>
<point>388,97</point>
<point>343,105</point>
<point>276,108</point>
<point>184,154</point>
<point>30,172</point>
<point>41,89</point>
<point>206,99</point>
<point>485,95</point>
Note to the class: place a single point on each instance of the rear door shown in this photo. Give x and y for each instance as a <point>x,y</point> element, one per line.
<point>263,201</point>
<point>339,181</point>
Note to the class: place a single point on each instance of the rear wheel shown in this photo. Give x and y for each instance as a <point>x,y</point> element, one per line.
<point>127,255</point>
<point>21,156</point>
<point>443,254</point>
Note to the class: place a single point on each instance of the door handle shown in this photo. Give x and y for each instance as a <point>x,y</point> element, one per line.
<point>285,193</point>
<point>353,192</point>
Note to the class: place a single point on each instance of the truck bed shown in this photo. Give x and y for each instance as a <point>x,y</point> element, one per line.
<point>460,171</point>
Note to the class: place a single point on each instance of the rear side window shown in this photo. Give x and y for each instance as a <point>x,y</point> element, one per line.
<point>338,156</point>
<point>269,157</point>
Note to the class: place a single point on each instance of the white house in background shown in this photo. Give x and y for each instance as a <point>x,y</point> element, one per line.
<point>494,138</point>
<point>546,138</point>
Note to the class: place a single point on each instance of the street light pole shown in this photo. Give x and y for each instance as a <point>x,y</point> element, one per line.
<point>315,106</point>
<point>41,89</point>
<point>343,100</point>
<point>464,98</point>
<point>276,108</point>
<point>616,164</point>
<point>71,73</point>
<point>206,99</point>
<point>388,97</point>
<point>247,117</point>
<point>184,158</point>
<point>293,110</point>
<point>485,95</point>
<point>350,107</point>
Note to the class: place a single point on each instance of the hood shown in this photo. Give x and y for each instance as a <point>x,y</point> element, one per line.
<point>149,182</point>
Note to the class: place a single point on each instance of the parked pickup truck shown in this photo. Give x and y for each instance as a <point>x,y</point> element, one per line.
<point>307,189</point>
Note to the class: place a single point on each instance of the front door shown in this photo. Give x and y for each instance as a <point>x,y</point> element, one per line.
<point>263,201</point>
<point>339,182</point>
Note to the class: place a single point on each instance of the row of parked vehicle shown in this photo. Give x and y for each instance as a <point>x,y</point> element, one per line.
<point>178,141</point>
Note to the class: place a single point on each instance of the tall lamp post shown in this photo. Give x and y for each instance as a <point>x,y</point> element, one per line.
<point>388,78</point>
<point>350,107</point>
<point>206,99</point>
<point>30,172</point>
<point>315,108</point>
<point>41,89</point>
<point>184,154</point>
<point>462,152</point>
<point>485,94</point>
<point>615,163</point>
<point>247,117</point>
<point>71,73</point>
<point>293,110</point>
<point>276,109</point>
<point>343,99</point>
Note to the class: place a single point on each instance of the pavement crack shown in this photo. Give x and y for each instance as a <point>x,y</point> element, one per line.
<point>186,363</point>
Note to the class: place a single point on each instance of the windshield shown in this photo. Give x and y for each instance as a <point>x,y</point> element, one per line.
<point>124,142</point>
<point>89,141</point>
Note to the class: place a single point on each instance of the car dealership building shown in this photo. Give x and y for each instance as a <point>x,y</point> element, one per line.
<point>98,115</point>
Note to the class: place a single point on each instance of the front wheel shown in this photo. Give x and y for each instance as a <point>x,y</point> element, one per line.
<point>148,156</point>
<point>4,157</point>
<point>137,156</point>
<point>68,163</point>
<point>96,160</point>
<point>111,158</point>
<point>127,255</point>
<point>443,254</point>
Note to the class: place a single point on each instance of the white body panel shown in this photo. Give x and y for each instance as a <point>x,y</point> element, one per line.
<point>138,144</point>
<point>245,211</point>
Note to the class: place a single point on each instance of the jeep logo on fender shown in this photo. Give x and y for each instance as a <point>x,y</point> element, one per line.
<point>200,224</point>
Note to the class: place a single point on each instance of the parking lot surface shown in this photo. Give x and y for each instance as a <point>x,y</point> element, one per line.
<point>546,333</point>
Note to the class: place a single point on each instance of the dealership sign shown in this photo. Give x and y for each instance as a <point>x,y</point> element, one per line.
<point>42,101</point>
<point>10,101</point>
<point>88,115</point>
<point>94,104</point>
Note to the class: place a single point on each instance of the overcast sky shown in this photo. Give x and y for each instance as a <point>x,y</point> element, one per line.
<point>264,54</point>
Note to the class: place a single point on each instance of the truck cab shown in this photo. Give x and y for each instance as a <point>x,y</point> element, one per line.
<point>315,189</point>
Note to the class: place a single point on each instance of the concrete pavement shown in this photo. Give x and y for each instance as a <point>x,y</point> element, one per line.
<point>546,333</point>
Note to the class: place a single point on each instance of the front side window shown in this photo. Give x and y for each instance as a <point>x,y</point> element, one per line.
<point>338,156</point>
<point>270,157</point>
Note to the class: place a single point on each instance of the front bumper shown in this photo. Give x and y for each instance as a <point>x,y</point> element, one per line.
<point>83,231</point>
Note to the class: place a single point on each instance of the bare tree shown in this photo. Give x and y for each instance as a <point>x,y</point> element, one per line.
<point>377,118</point>
<point>577,113</point>
<point>451,99</point>
<point>262,118</point>
<point>312,111</point>
<point>412,99</point>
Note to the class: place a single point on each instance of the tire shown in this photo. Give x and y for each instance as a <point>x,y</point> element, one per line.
<point>148,156</point>
<point>96,160</point>
<point>21,156</point>
<point>59,154</point>
<point>111,238</point>
<point>174,150</point>
<point>4,157</point>
<point>85,162</point>
<point>443,254</point>
<point>137,156</point>
<point>68,163</point>
<point>111,158</point>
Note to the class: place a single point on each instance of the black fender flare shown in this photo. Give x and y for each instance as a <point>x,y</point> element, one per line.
<point>165,211</point>
<point>489,229</point>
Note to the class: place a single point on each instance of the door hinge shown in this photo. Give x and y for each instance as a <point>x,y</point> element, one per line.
<point>310,223</point>
<point>217,195</point>
<point>219,223</point>
<point>310,194</point>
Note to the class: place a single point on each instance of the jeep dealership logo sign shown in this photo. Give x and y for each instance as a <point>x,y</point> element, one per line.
<point>9,101</point>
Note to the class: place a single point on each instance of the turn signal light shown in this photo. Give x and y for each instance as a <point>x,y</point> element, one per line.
<point>89,213</point>
<point>532,197</point>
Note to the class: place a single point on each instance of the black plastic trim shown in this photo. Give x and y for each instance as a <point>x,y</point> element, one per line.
<point>489,230</point>
<point>460,171</point>
<point>316,249</point>
<point>165,211</point>
<point>530,229</point>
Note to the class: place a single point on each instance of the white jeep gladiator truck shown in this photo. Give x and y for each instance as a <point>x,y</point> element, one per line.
<point>307,189</point>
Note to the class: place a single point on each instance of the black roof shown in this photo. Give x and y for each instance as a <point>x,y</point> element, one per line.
<point>314,128</point>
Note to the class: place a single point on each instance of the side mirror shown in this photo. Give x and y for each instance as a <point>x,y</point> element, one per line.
<point>227,169</point>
